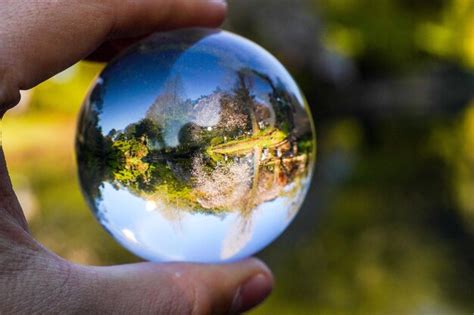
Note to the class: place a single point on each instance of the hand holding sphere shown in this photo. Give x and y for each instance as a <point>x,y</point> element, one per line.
<point>39,39</point>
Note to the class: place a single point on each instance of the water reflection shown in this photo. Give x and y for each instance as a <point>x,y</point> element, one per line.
<point>195,145</point>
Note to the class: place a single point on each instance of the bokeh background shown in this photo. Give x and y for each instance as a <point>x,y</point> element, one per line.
<point>388,226</point>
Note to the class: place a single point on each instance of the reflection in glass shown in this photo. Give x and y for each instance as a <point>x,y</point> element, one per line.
<point>195,145</point>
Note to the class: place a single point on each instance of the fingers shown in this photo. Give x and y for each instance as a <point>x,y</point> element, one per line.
<point>134,18</point>
<point>183,288</point>
<point>41,38</point>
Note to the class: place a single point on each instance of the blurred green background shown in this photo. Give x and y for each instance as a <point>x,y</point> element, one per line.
<point>388,226</point>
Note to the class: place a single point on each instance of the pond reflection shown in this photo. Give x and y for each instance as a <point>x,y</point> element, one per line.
<point>191,139</point>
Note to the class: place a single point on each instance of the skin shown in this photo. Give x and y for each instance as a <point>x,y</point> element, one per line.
<point>39,38</point>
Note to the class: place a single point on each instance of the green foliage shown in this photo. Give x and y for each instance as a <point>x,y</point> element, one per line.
<point>416,29</point>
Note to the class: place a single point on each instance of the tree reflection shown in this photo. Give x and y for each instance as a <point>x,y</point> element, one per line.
<point>223,152</point>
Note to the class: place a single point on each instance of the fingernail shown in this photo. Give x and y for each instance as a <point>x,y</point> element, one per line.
<point>251,293</point>
<point>224,2</point>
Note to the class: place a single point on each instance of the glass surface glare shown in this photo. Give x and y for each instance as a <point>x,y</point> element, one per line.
<point>195,145</point>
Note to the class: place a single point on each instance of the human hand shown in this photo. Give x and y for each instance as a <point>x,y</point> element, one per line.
<point>39,38</point>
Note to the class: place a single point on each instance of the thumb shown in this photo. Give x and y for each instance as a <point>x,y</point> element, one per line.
<point>182,288</point>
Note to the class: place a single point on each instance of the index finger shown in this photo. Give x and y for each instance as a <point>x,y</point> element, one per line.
<point>41,38</point>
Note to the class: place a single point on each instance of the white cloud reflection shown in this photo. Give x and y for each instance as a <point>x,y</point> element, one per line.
<point>144,228</point>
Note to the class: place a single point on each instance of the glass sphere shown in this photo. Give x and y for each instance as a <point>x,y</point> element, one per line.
<point>195,145</point>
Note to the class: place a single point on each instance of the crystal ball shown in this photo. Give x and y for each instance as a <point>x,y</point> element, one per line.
<point>195,145</point>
